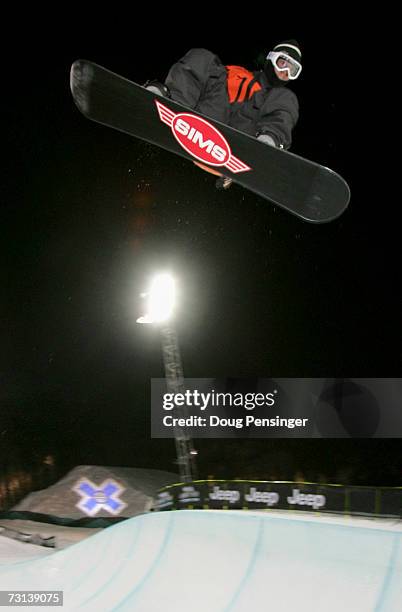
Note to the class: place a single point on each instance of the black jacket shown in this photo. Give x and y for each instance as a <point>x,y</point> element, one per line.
<point>272,110</point>
<point>199,80</point>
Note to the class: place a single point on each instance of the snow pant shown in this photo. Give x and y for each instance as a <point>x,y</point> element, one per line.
<point>198,80</point>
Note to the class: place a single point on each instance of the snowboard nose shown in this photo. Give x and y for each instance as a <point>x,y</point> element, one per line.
<point>81,75</point>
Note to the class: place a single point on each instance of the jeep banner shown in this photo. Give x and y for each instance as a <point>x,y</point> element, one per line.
<point>264,495</point>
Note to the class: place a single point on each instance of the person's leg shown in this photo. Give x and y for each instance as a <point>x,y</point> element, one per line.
<point>198,80</point>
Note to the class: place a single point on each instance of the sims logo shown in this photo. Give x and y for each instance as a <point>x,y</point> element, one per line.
<point>201,139</point>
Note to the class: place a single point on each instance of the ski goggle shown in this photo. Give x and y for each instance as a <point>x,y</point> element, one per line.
<point>285,63</point>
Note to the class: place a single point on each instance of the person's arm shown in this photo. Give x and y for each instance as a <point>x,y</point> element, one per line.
<point>278,117</point>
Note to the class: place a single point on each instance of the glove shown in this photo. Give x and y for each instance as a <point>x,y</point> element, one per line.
<point>267,139</point>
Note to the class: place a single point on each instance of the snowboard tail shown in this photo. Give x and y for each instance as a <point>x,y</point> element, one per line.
<point>304,188</point>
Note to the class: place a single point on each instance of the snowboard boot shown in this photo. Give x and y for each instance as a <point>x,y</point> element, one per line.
<point>158,88</point>
<point>223,182</point>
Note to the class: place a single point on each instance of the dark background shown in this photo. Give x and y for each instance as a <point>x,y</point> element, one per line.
<point>87,214</point>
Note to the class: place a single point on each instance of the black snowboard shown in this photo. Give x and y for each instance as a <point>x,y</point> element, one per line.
<point>306,189</point>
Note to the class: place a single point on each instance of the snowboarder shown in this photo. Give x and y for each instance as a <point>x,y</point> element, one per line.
<point>258,103</point>
<point>304,188</point>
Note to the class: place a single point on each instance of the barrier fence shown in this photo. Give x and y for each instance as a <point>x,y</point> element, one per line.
<point>265,495</point>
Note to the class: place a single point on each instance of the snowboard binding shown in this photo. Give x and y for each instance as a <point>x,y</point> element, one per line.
<point>157,87</point>
<point>223,183</point>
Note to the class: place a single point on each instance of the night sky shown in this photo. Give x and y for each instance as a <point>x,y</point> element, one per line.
<point>87,214</point>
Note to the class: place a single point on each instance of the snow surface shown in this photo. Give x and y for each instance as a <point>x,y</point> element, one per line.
<point>215,561</point>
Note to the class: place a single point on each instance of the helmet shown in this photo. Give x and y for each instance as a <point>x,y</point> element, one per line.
<point>285,57</point>
<point>291,47</point>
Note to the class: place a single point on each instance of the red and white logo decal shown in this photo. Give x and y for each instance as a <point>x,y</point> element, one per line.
<point>201,139</point>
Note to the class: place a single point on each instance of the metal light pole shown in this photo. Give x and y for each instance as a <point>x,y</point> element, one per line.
<point>185,451</point>
<point>160,306</point>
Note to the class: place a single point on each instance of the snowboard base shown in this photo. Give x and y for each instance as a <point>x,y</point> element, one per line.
<point>304,188</point>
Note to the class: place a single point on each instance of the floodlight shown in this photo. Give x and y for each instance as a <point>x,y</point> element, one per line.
<point>160,300</point>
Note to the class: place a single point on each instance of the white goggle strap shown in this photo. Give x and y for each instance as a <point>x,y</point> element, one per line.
<point>288,47</point>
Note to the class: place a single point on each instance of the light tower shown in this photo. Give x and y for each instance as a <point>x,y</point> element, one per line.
<point>161,299</point>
